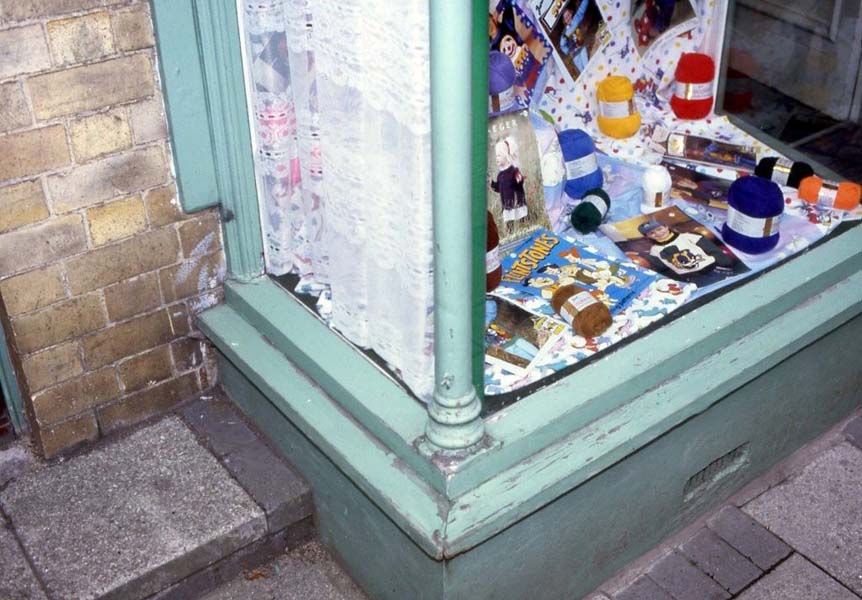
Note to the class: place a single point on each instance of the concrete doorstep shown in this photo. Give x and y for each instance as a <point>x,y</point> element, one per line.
<point>169,511</point>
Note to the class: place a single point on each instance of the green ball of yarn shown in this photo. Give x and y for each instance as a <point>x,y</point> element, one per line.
<point>588,215</point>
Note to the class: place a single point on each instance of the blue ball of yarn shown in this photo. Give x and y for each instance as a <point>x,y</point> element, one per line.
<point>501,81</point>
<point>755,206</point>
<point>582,169</point>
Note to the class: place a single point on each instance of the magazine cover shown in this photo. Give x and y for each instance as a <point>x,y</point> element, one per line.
<point>513,31</point>
<point>576,29</point>
<point>516,339</point>
<point>692,186</point>
<point>544,262</point>
<point>673,244</point>
<point>516,194</point>
<point>650,19</point>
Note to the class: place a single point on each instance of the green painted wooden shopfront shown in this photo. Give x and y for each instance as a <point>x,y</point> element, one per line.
<point>566,485</point>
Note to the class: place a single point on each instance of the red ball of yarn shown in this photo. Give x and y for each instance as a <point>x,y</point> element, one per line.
<point>692,97</point>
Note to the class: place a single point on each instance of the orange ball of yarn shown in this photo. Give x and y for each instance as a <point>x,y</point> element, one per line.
<point>842,196</point>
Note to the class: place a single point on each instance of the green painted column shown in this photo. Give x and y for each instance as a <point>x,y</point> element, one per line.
<point>454,422</point>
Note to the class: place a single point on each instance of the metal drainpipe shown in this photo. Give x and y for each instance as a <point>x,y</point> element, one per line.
<point>454,422</point>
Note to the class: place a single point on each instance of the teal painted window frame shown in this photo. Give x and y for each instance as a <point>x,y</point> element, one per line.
<point>9,384</point>
<point>572,428</point>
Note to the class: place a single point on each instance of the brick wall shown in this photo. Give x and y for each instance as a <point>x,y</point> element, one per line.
<point>100,272</point>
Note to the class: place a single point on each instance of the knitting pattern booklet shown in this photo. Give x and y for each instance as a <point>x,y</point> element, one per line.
<point>576,29</point>
<point>692,186</point>
<point>516,339</point>
<point>673,244</point>
<point>512,30</point>
<point>652,19</point>
<point>544,262</point>
<point>516,194</point>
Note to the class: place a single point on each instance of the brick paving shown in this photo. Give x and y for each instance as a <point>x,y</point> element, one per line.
<point>797,536</point>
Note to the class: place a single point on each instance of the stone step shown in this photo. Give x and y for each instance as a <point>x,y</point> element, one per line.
<point>168,511</point>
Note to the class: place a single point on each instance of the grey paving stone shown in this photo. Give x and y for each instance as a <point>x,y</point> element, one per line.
<point>819,513</point>
<point>853,432</point>
<point>15,461</point>
<point>220,424</point>
<point>716,558</point>
<point>17,581</point>
<point>307,573</point>
<point>643,588</point>
<point>749,537</point>
<point>682,580</point>
<point>130,518</point>
<point>225,570</point>
<point>797,579</point>
<point>284,495</point>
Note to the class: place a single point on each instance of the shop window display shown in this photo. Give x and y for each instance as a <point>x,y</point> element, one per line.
<point>605,109</point>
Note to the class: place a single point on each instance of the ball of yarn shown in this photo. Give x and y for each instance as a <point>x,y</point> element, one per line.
<point>782,171</point>
<point>843,196</point>
<point>582,166</point>
<point>656,183</point>
<point>755,206</point>
<point>618,114</point>
<point>501,82</point>
<point>692,97</point>
<point>587,315</point>
<point>589,214</point>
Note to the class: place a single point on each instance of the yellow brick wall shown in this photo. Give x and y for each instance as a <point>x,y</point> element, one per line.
<point>101,273</point>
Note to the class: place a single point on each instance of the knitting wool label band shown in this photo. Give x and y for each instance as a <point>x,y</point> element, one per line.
<point>599,203</point>
<point>492,260</point>
<point>693,91</point>
<point>617,110</point>
<point>576,304</point>
<point>752,227</point>
<point>828,194</point>
<point>581,167</point>
<point>781,171</point>
<point>502,101</point>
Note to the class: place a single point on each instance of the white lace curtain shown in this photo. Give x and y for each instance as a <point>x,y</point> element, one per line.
<point>341,102</point>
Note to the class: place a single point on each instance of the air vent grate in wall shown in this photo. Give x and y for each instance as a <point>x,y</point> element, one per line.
<point>716,472</point>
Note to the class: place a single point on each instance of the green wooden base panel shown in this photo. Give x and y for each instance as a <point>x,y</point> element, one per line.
<point>569,546</point>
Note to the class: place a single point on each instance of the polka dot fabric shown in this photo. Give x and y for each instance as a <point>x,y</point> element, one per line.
<point>572,104</point>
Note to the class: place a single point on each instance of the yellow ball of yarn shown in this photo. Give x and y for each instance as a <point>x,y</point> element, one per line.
<point>618,114</point>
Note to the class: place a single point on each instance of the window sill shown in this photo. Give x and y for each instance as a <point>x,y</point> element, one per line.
<point>547,443</point>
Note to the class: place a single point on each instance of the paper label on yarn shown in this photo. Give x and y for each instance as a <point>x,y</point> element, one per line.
<point>753,227</point>
<point>503,100</point>
<point>580,167</point>
<point>492,259</point>
<point>598,202</point>
<point>617,110</point>
<point>693,91</point>
<point>576,304</point>
<point>828,194</point>
<point>781,171</point>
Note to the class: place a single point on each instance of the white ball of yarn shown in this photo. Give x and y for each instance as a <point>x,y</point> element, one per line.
<point>656,185</point>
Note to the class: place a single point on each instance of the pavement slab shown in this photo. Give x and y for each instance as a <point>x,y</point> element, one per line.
<point>643,588</point>
<point>797,579</point>
<point>719,560</point>
<point>131,517</point>
<point>819,513</point>
<point>853,432</point>
<point>307,573</point>
<point>683,581</point>
<point>17,581</point>
<point>749,537</point>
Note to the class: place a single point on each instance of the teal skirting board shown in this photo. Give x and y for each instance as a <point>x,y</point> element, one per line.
<point>402,537</point>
